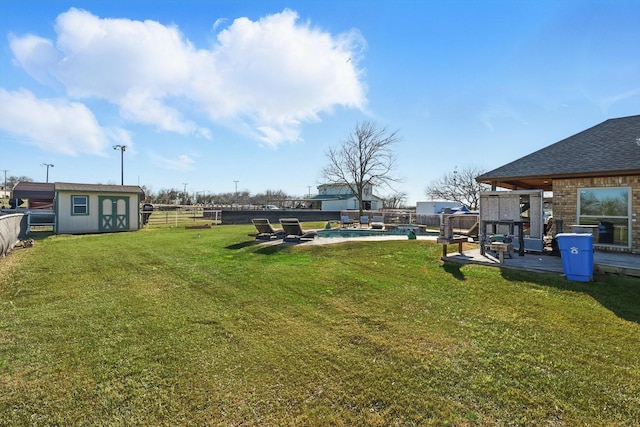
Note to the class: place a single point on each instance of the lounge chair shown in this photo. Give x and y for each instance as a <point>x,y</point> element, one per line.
<point>472,232</point>
<point>293,230</point>
<point>265,230</point>
<point>377,222</point>
<point>364,220</point>
<point>345,221</point>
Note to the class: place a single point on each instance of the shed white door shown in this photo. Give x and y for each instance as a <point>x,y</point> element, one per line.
<point>114,213</point>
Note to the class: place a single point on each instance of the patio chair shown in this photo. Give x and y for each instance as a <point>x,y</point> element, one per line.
<point>377,222</point>
<point>265,230</point>
<point>473,232</point>
<point>364,220</point>
<point>345,221</point>
<point>293,230</point>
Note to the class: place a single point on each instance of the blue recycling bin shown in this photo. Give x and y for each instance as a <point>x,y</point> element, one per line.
<point>577,255</point>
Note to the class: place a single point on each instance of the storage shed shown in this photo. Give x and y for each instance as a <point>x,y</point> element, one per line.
<point>95,208</point>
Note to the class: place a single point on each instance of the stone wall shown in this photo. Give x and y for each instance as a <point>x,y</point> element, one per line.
<point>565,202</point>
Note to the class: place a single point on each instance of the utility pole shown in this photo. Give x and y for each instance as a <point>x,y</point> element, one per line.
<point>5,182</point>
<point>236,193</point>
<point>184,192</point>
<point>122,149</point>
<point>48,165</point>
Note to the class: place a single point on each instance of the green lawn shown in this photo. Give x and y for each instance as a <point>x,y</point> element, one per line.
<point>203,327</point>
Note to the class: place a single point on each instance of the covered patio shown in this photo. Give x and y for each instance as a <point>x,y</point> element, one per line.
<point>593,178</point>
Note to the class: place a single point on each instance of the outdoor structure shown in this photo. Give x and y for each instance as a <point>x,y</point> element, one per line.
<point>39,195</point>
<point>39,201</point>
<point>80,208</point>
<point>502,210</point>
<point>94,208</point>
<point>595,179</point>
<point>335,197</point>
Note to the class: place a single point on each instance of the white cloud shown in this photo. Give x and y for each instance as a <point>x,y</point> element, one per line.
<point>181,163</point>
<point>271,75</point>
<point>143,107</point>
<point>607,102</point>
<point>55,125</point>
<point>36,55</point>
<point>279,73</point>
<point>498,112</point>
<point>218,23</point>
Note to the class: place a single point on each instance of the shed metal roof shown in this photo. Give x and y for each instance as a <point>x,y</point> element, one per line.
<point>611,148</point>
<point>42,190</point>
<point>33,190</point>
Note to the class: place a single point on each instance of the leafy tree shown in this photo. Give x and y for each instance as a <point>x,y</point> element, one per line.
<point>459,186</point>
<point>365,158</point>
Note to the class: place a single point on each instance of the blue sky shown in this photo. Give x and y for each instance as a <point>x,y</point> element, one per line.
<point>211,92</point>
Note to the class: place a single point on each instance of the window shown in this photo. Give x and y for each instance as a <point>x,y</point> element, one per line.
<point>610,210</point>
<point>79,205</point>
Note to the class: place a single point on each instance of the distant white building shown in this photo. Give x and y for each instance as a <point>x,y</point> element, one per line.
<point>434,207</point>
<point>335,197</point>
<point>431,213</point>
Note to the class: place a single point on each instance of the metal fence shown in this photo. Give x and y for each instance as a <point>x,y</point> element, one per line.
<point>184,215</point>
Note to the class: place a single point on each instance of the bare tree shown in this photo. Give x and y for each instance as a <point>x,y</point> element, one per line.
<point>365,158</point>
<point>395,200</point>
<point>270,197</point>
<point>13,180</point>
<point>459,186</point>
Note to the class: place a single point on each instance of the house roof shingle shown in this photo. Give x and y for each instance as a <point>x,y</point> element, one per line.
<point>609,148</point>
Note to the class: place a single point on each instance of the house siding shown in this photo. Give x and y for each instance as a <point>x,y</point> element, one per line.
<point>346,200</point>
<point>565,203</point>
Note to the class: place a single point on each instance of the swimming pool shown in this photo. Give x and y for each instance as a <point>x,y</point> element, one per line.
<point>400,230</point>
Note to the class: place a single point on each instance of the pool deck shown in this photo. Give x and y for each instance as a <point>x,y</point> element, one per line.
<point>623,264</point>
<point>604,262</point>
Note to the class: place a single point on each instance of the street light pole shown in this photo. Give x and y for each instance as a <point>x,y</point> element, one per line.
<point>48,165</point>
<point>122,149</point>
<point>236,201</point>
<point>5,182</point>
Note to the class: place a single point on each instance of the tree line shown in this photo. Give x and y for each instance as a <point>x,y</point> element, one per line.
<point>278,198</point>
<point>365,157</point>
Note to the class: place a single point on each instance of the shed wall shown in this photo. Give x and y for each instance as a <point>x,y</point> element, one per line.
<point>66,223</point>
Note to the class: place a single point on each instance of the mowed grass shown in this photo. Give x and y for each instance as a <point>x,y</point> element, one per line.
<point>204,327</point>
